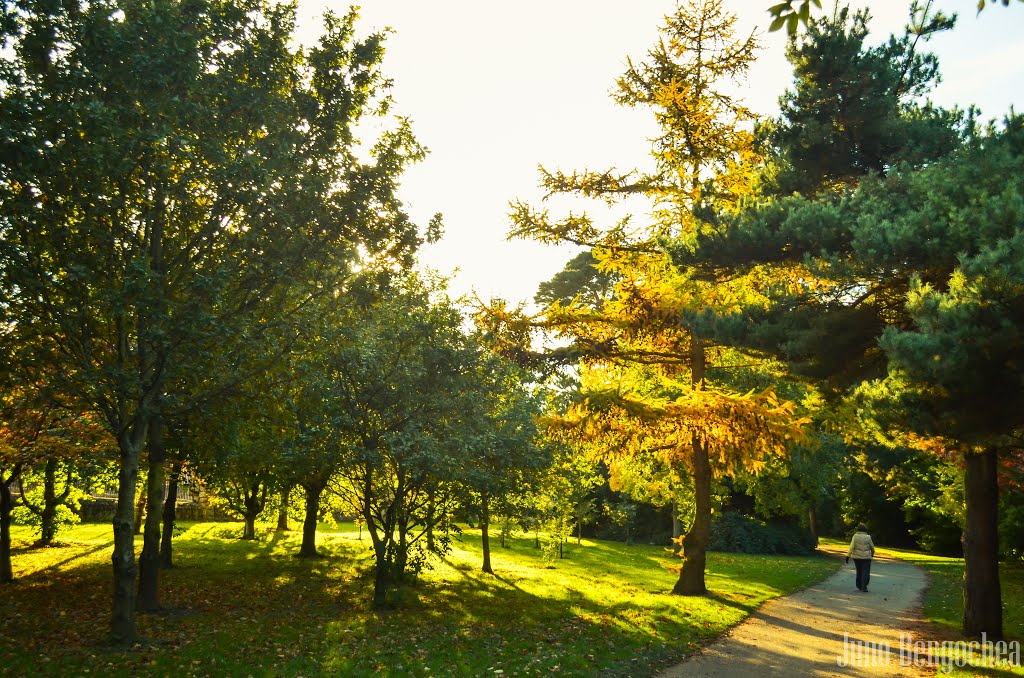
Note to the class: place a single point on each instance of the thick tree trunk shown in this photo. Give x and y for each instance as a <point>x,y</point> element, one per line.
<point>170,515</point>
<point>48,512</point>
<point>122,621</point>
<point>579,531</point>
<point>381,572</point>
<point>282,511</point>
<point>6,505</point>
<point>149,559</point>
<point>308,548</point>
<point>983,610</point>
<point>485,538</point>
<point>812,524</point>
<point>249,531</point>
<point>695,545</point>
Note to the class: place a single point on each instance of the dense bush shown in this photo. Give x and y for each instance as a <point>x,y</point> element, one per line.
<point>737,533</point>
<point>97,510</point>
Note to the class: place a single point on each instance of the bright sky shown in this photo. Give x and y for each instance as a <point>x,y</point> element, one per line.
<point>495,89</point>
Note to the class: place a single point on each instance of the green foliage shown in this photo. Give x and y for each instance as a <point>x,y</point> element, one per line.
<point>177,179</point>
<point>790,14</point>
<point>65,515</point>
<point>1011,525</point>
<point>580,280</point>
<point>853,108</point>
<point>551,549</point>
<point>734,532</point>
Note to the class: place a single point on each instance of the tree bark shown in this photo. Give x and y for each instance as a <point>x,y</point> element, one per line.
<point>983,610</point>
<point>695,545</point>
<point>6,504</point>
<point>308,548</point>
<point>48,513</point>
<point>282,511</point>
<point>249,531</point>
<point>149,559</point>
<point>812,523</point>
<point>381,572</point>
<point>485,538</point>
<point>122,621</point>
<point>170,514</point>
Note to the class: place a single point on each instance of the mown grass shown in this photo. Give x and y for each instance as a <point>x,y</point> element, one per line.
<point>239,608</point>
<point>943,609</point>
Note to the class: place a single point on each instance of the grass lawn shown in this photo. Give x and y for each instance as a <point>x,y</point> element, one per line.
<point>943,605</point>
<point>239,608</point>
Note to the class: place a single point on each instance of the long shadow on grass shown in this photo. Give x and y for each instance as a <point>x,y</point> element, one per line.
<point>43,572</point>
<point>470,624</point>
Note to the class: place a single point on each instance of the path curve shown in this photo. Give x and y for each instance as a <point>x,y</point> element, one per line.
<point>803,634</point>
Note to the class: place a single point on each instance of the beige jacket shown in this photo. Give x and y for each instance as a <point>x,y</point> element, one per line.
<point>861,546</point>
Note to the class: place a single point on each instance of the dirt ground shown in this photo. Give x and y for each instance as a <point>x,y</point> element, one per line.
<point>830,629</point>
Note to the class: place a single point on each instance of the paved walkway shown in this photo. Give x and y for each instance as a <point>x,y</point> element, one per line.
<point>818,630</point>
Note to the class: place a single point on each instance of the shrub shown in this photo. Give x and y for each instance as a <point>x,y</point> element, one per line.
<point>737,533</point>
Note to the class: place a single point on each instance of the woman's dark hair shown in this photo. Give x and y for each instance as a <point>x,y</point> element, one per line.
<point>862,528</point>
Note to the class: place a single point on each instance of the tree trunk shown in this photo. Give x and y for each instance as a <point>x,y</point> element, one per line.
<point>381,572</point>
<point>6,504</point>
<point>308,548</point>
<point>122,621</point>
<point>48,513</point>
<point>485,538</point>
<point>983,610</point>
<point>149,559</point>
<point>695,545</point>
<point>249,531</point>
<point>170,515</point>
<point>282,511</point>
<point>579,530</point>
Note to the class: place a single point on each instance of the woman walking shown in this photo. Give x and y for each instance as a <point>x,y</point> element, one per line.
<point>862,550</point>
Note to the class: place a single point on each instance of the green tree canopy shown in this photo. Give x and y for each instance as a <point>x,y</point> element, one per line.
<point>166,169</point>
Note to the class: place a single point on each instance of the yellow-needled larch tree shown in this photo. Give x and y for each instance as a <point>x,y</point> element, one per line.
<point>644,353</point>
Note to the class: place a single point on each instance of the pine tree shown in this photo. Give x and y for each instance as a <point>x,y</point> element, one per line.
<point>909,298</point>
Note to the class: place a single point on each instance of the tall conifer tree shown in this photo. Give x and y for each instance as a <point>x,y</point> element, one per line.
<point>644,351</point>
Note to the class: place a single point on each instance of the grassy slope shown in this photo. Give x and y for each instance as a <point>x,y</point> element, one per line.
<point>251,608</point>
<point>944,603</point>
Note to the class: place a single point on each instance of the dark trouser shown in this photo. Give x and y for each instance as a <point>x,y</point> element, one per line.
<point>863,572</point>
